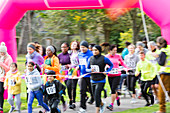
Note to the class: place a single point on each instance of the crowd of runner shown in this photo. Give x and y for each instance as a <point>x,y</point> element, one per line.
<point>48,75</point>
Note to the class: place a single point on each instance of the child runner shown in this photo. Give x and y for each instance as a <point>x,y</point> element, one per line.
<point>34,83</point>
<point>53,90</point>
<point>114,76</point>
<point>131,61</point>
<point>84,56</point>
<point>73,72</point>
<point>97,64</point>
<point>13,84</point>
<point>148,72</point>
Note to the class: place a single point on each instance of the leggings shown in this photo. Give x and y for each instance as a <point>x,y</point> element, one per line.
<point>1,94</point>
<point>131,83</point>
<point>54,106</point>
<point>17,99</point>
<point>71,88</point>
<point>85,85</point>
<point>97,88</point>
<point>114,83</point>
<point>146,92</point>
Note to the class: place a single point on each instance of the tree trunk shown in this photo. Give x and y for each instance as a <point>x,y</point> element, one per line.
<point>82,34</point>
<point>135,27</point>
<point>25,36</point>
<point>107,35</point>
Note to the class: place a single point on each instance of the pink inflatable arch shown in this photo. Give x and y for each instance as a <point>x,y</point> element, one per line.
<point>11,11</point>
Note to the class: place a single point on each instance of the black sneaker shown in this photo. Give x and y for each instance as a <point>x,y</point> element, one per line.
<point>91,101</point>
<point>118,101</point>
<point>74,106</point>
<point>148,104</point>
<point>71,106</point>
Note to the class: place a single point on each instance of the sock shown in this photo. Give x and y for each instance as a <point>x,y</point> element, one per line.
<point>117,98</point>
<point>112,104</point>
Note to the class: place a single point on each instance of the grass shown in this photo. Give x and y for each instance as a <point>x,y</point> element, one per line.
<point>21,67</point>
<point>147,109</point>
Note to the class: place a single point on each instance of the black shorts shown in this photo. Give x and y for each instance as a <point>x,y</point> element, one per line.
<point>155,80</point>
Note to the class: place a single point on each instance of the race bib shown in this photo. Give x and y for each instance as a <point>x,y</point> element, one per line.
<point>11,82</point>
<point>74,61</point>
<point>28,80</point>
<point>51,90</point>
<point>131,64</point>
<point>95,67</point>
<point>114,71</point>
<point>82,61</point>
<point>63,68</point>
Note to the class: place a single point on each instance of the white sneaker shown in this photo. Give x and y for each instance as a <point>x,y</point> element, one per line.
<point>81,110</point>
<point>133,101</point>
<point>102,108</point>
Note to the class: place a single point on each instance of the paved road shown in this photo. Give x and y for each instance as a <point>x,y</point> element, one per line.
<point>125,105</point>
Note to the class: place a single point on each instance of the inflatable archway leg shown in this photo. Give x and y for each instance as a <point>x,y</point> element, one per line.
<point>9,37</point>
<point>166,33</point>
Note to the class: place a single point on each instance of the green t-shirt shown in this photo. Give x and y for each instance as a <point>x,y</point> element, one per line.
<point>48,61</point>
<point>148,70</point>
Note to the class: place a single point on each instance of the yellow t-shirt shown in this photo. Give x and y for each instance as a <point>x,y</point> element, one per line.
<point>14,87</point>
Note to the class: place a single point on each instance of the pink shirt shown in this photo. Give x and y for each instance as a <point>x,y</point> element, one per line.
<point>6,66</point>
<point>116,59</point>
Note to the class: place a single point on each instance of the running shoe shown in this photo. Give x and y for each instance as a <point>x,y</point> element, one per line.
<point>110,107</point>
<point>148,104</point>
<point>12,109</point>
<point>81,110</point>
<point>118,101</point>
<point>91,101</point>
<point>102,108</point>
<point>133,101</point>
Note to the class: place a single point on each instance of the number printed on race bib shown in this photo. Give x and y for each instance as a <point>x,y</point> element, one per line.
<point>131,64</point>
<point>28,80</point>
<point>82,62</point>
<point>74,61</point>
<point>114,71</point>
<point>95,67</point>
<point>63,68</point>
<point>51,90</point>
<point>11,82</point>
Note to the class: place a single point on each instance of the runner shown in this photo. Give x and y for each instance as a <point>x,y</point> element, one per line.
<point>84,56</point>
<point>114,77</point>
<point>5,62</point>
<point>131,60</point>
<point>151,56</point>
<point>64,59</point>
<point>164,62</point>
<point>34,84</point>
<point>74,72</point>
<point>148,73</point>
<point>33,54</point>
<point>13,84</point>
<point>97,64</point>
<point>53,90</point>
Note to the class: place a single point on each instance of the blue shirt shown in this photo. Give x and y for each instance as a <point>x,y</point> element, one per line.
<point>124,53</point>
<point>83,59</point>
